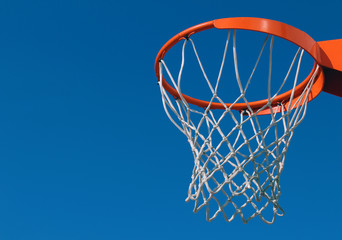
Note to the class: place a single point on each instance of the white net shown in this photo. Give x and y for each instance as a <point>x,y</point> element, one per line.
<point>238,156</point>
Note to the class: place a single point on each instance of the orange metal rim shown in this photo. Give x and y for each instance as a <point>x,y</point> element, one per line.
<point>272,27</point>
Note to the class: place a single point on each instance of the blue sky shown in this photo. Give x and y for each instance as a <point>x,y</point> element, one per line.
<point>86,150</point>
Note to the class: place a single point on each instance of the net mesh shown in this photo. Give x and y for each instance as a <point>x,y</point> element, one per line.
<point>238,155</point>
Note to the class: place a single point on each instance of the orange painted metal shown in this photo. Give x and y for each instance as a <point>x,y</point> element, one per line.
<point>333,81</point>
<point>333,75</point>
<point>333,50</point>
<point>327,54</point>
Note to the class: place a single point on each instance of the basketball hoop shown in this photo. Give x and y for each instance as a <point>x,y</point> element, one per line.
<point>239,147</point>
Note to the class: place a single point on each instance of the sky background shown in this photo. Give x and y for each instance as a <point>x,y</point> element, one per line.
<point>86,150</point>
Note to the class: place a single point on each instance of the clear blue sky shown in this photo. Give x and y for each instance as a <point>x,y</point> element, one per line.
<point>86,151</point>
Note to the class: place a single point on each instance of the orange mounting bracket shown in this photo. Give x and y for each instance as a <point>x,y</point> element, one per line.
<point>332,73</point>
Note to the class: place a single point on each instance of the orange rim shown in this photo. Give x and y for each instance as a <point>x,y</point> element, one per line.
<point>272,27</point>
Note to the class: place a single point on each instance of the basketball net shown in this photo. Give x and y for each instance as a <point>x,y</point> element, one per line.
<point>237,170</point>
